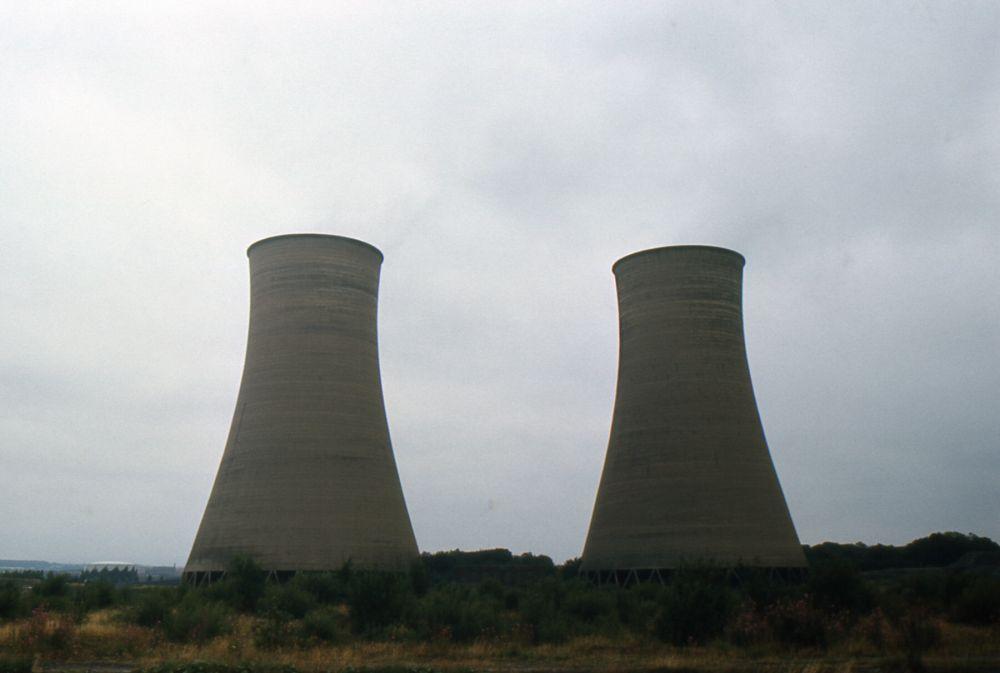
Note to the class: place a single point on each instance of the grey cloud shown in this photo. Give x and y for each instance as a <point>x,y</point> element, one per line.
<point>502,158</point>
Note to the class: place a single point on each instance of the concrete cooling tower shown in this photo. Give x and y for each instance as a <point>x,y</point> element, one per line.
<point>308,479</point>
<point>688,477</point>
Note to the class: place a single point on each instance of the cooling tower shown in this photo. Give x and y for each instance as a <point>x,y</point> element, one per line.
<point>688,477</point>
<point>308,479</point>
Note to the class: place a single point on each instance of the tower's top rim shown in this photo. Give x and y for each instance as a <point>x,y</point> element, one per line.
<point>681,248</point>
<point>332,237</point>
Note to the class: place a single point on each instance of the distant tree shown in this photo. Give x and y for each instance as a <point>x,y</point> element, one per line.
<point>570,568</point>
<point>935,550</point>
<point>941,549</point>
<point>472,567</point>
<point>53,586</point>
<point>11,603</point>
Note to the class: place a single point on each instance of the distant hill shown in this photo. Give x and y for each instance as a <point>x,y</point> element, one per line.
<point>44,566</point>
<point>145,573</point>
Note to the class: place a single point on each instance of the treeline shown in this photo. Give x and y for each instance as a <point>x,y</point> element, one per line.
<point>475,566</point>
<point>452,597</point>
<point>938,550</point>
<point>57,592</point>
<point>116,575</point>
<point>934,551</point>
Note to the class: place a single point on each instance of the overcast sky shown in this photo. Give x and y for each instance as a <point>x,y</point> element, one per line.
<point>502,156</point>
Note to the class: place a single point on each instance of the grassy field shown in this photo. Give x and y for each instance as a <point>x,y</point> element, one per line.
<point>52,641</point>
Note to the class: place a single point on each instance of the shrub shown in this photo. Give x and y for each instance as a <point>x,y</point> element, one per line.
<point>326,588</point>
<point>570,569</point>
<point>150,607</point>
<point>511,599</point>
<point>125,641</point>
<point>761,589</point>
<point>378,599</point>
<point>588,604</point>
<point>638,606</point>
<point>286,599</point>
<point>873,628</point>
<point>491,588</point>
<point>420,578</point>
<point>12,604</point>
<point>244,583</point>
<point>798,623</point>
<point>196,619</point>
<point>53,586</point>
<point>927,589</point>
<point>918,633</point>
<point>94,596</point>
<point>52,593</point>
<point>46,633</point>
<point>748,627</point>
<point>322,625</point>
<point>838,586</point>
<point>979,602</point>
<point>273,632</point>
<point>456,613</point>
<point>695,608</point>
<point>541,609</point>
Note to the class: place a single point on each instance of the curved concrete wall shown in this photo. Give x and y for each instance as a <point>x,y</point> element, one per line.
<point>308,479</point>
<point>688,476</point>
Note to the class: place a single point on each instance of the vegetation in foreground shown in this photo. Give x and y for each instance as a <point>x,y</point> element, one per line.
<point>459,609</point>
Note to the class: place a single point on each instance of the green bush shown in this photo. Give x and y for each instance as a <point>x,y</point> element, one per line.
<point>95,596</point>
<point>541,610</point>
<point>53,586</point>
<point>420,578</point>
<point>454,612</point>
<point>570,569</point>
<point>377,600</point>
<point>931,590</point>
<point>150,607</point>
<point>45,633</point>
<point>511,599</point>
<point>12,604</point>
<point>326,588</point>
<point>492,588</point>
<point>748,627</point>
<point>918,633</point>
<point>979,602</point>
<point>695,607</point>
<point>244,583</point>
<point>196,619</point>
<point>273,632</point>
<point>762,590</point>
<point>796,622</point>
<point>838,586</point>
<point>323,625</point>
<point>589,604</point>
<point>637,606</point>
<point>286,599</point>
